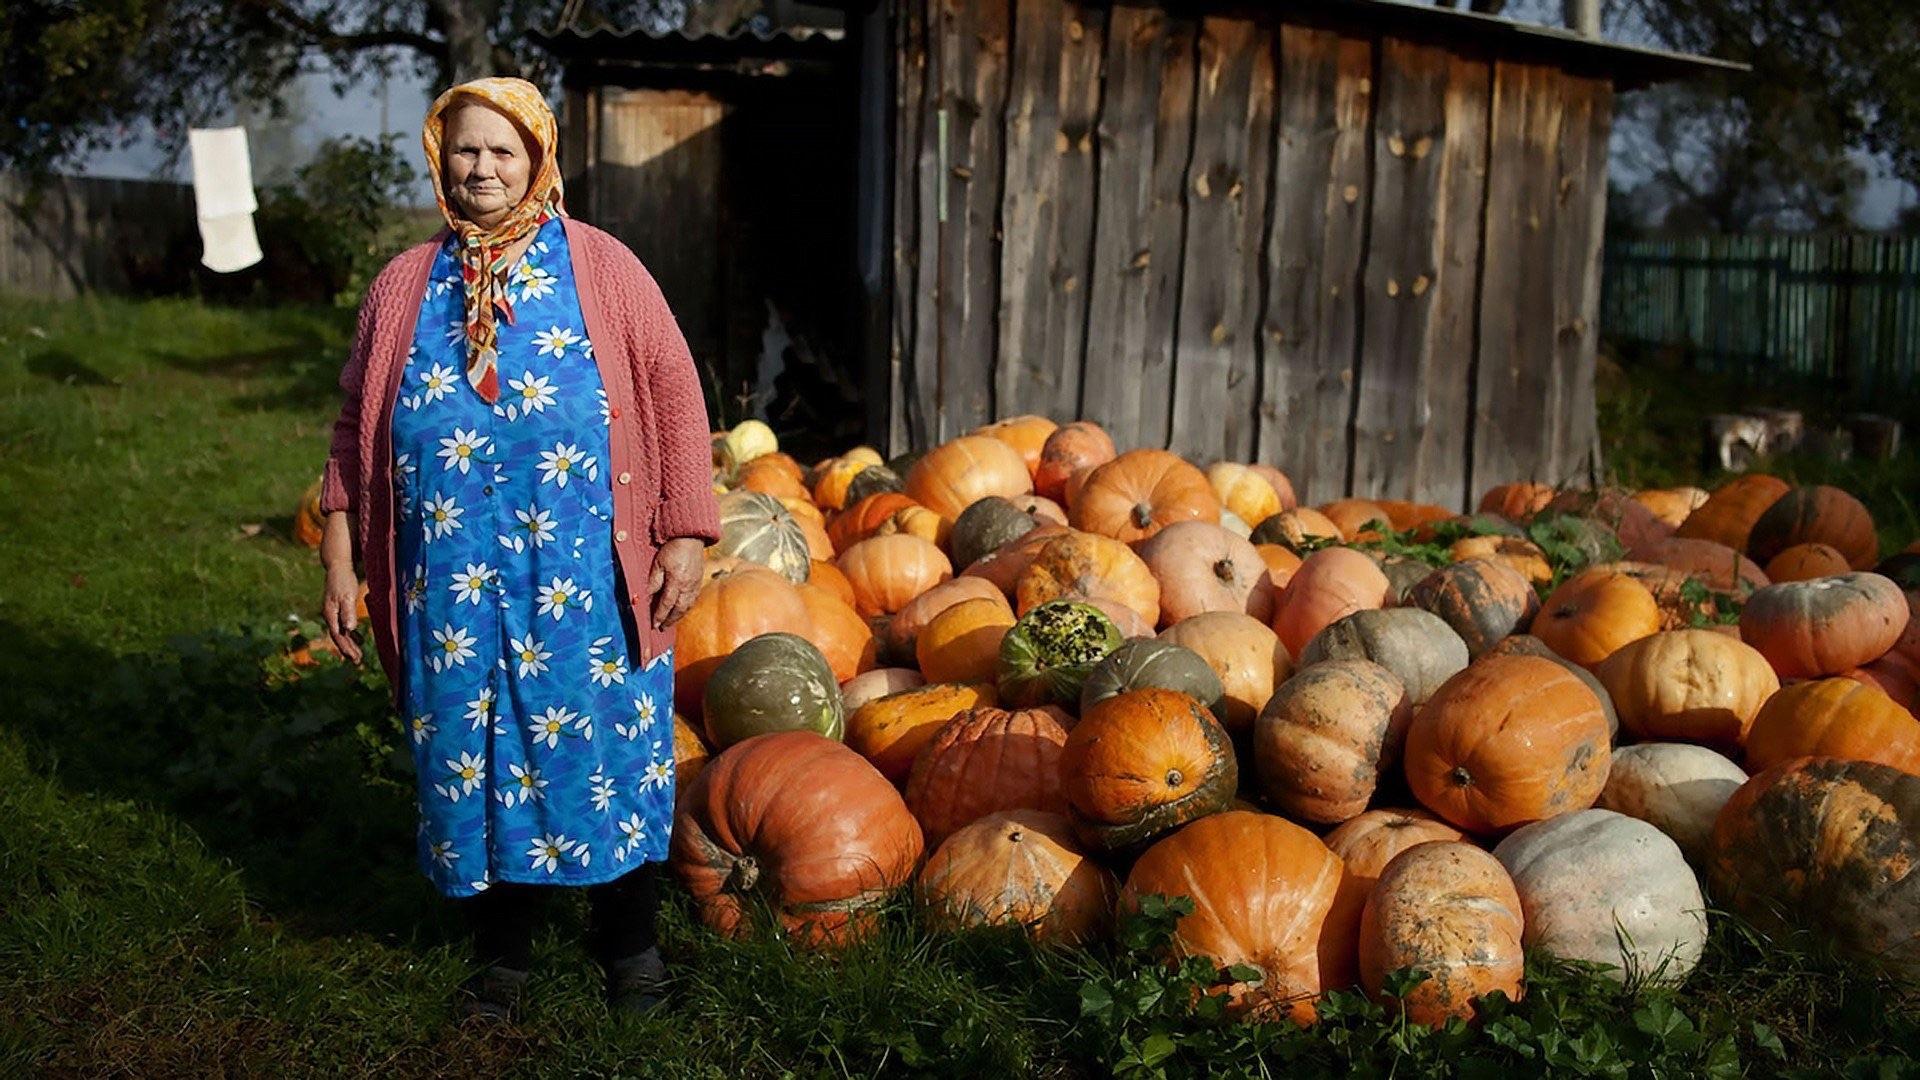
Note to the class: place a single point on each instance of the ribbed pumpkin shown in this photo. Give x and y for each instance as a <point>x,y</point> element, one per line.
<point>1004,567</point>
<point>1202,567</point>
<point>1266,893</point>
<point>309,524</point>
<point>987,760</point>
<point>690,757</point>
<point>1482,600</point>
<point>1671,505</point>
<point>1330,584</point>
<point>1449,910</point>
<point>1838,718</point>
<point>878,683</point>
<point>1677,788</point>
<point>1528,645</point>
<point>1517,501</point>
<point>775,682</point>
<point>1827,847</point>
<point>731,608</point>
<point>759,529</point>
<point>917,521</point>
<point>1248,494</point>
<point>1142,763</point>
<point>864,518</point>
<point>827,576</point>
<point>801,824</point>
<point>1718,566</point>
<point>1407,516</point>
<point>890,731</point>
<point>1043,510</point>
<point>1511,739</point>
<point>1087,566</point>
<point>1516,553</point>
<point>985,527</point>
<point>1356,518</point>
<point>1595,612</point>
<point>773,474</point>
<point>956,474</point>
<point>900,639</point>
<point>1688,685</point>
<point>1604,888</point>
<point>1072,447</point>
<point>1330,733</point>
<point>1281,564</point>
<point>1824,626</point>
<point>888,571</point>
<point>1027,434</point>
<point>1366,844</point>
<point>1672,591</point>
<point>1141,492</point>
<point>1804,562</point>
<point>1018,868</point>
<point>1816,514</point>
<point>1246,656</point>
<point>962,643</point>
<point>1047,655</point>
<point>1145,662</point>
<point>1420,650</point>
<point>843,637</point>
<point>832,478</point>
<point>1728,515</point>
<point>1295,529</point>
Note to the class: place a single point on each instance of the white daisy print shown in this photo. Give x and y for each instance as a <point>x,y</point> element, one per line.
<point>437,382</point>
<point>527,784</point>
<point>644,713</point>
<point>460,447</point>
<point>635,831</point>
<point>470,584</point>
<point>538,524</point>
<point>606,412</point>
<point>452,646</point>
<point>531,655</point>
<point>535,283</point>
<point>601,790</point>
<point>555,341</point>
<point>456,331</point>
<point>416,591</point>
<point>658,773</point>
<point>558,595</point>
<point>421,728</point>
<point>548,851</point>
<point>443,854</point>
<point>603,668</point>
<point>559,464</point>
<point>469,772</point>
<point>551,725</point>
<point>443,516</point>
<point>480,709</point>
<point>535,392</point>
<point>403,468</point>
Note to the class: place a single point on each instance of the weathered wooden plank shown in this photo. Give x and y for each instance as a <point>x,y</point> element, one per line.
<point>1144,141</point>
<point>909,402</point>
<point>1430,144</point>
<point>1053,98</point>
<point>1582,218</point>
<point>1516,388</point>
<point>971,36</point>
<point>1314,256</point>
<point>1228,183</point>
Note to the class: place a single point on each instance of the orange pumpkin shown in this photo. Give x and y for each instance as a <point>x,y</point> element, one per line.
<point>1824,626</point>
<point>888,571</point>
<point>1282,484</point>
<point>901,637</point>
<point>986,760</point>
<point>770,476</point>
<point>1326,738</point>
<point>1671,506</point>
<point>1296,528</point>
<point>1202,567</point>
<point>1407,516</point>
<point>842,636</point>
<point>1718,566</point>
<point>1246,493</point>
<point>1281,564</point>
<point>917,521</point>
<point>1019,868</point>
<point>690,757</point>
<point>954,475</point>
<point>1728,515</point>
<point>831,479</point>
<point>309,524</point>
<point>1511,739</point>
<point>1246,656</point>
<point>1141,492</point>
<point>1330,585</point>
<point>1803,562</point>
<point>1144,762</point>
<point>1266,893</point>
<point>1071,448</point>
<point>1448,909</point>
<point>1893,675</point>
<point>1818,514</point>
<point>1518,554</point>
<point>1087,566</point>
<point>1027,434</point>
<point>1689,686</point>
<point>864,518</point>
<point>962,643</point>
<point>890,731</point>
<point>800,823</point>
<point>1516,502</point>
<point>876,684</point>
<point>731,609</point>
<point>828,576</point>
<point>1041,509</point>
<point>1004,566</point>
<point>1838,718</point>
<point>1633,524</point>
<point>1366,844</point>
<point>1353,516</point>
<point>1595,612</point>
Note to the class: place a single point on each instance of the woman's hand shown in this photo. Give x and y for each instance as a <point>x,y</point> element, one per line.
<point>676,579</point>
<point>336,610</point>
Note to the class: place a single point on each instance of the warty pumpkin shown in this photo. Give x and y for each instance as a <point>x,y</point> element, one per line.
<point>1824,626</point>
<point>1142,763</point>
<point>1688,685</point>
<point>800,823</point>
<point>1839,718</point>
<point>1511,739</point>
<point>1048,653</point>
<point>1141,492</point>
<point>1330,584</point>
<point>1246,656</point>
<point>1447,909</point>
<point>954,475</point>
<point>1202,567</point>
<point>986,760</point>
<point>1326,738</point>
<point>1018,868</point>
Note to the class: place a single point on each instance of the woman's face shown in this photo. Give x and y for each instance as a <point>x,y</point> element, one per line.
<point>486,167</point>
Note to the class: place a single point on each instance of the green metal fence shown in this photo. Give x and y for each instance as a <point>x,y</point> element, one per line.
<point>1842,309</point>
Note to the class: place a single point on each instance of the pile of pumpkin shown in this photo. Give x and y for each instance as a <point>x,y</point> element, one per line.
<point>1038,679</point>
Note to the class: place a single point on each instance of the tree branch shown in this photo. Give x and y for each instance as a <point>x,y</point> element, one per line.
<point>321,36</point>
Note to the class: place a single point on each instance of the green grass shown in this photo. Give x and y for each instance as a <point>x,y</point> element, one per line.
<point>206,864</point>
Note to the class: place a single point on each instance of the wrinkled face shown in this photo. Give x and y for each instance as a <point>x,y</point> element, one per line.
<point>486,166</point>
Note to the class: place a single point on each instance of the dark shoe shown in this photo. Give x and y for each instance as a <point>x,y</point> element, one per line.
<point>492,993</point>
<point>637,985</point>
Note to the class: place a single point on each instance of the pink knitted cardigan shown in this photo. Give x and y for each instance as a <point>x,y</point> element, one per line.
<point>661,461</point>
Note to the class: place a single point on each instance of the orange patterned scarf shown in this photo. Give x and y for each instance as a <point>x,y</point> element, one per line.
<point>483,252</point>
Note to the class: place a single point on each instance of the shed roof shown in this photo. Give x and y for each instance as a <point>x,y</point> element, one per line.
<point>582,34</point>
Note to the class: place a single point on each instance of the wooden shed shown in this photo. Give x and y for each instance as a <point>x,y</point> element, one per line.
<point>1355,239</point>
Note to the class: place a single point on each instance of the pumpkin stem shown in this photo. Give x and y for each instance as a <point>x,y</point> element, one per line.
<point>1142,515</point>
<point>1174,777</point>
<point>744,875</point>
<point>1460,776</point>
<point>1223,569</point>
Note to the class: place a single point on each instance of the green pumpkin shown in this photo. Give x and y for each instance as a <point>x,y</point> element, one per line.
<point>872,480</point>
<point>983,527</point>
<point>775,682</point>
<point>757,528</point>
<point>1140,663</point>
<point>1046,658</point>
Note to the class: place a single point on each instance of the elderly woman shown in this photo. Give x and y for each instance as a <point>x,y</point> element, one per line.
<point>522,465</point>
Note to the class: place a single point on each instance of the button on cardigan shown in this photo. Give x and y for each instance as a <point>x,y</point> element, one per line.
<point>658,430</point>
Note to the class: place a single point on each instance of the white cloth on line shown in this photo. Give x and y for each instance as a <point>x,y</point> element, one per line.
<point>223,198</point>
<point>230,243</point>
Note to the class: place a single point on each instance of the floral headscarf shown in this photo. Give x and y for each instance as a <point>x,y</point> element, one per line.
<point>483,252</point>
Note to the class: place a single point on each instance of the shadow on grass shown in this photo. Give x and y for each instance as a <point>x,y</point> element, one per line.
<point>300,374</point>
<point>61,366</point>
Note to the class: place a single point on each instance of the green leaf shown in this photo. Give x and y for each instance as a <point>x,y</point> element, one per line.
<point>1765,1038</point>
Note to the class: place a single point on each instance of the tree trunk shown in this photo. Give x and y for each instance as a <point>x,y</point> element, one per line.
<point>467,24</point>
<point>1583,16</point>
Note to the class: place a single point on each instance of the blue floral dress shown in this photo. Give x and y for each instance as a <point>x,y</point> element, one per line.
<point>542,755</point>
